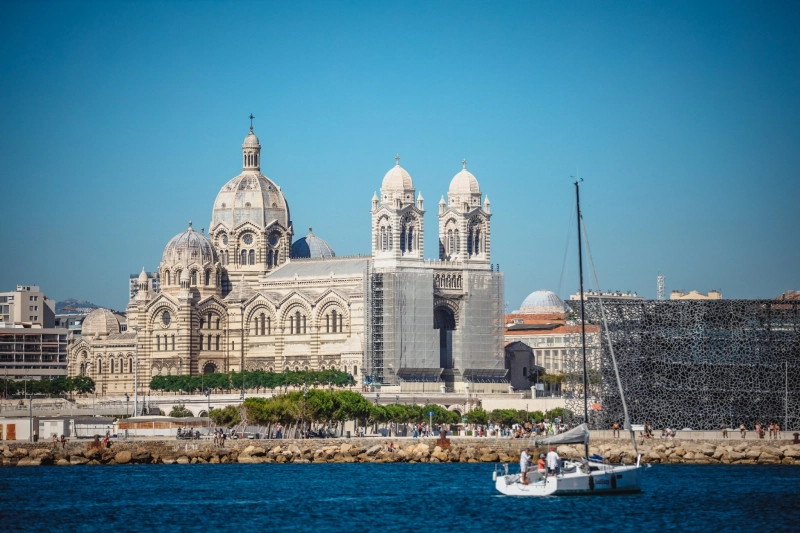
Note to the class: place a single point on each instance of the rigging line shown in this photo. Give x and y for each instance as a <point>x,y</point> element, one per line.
<point>566,249</point>
<point>627,424</point>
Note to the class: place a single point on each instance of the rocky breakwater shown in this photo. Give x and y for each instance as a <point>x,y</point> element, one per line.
<point>406,451</point>
<point>693,452</point>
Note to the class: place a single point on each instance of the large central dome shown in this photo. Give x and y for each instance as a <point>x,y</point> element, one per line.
<point>250,196</point>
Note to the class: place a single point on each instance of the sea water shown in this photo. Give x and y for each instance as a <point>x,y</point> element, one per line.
<point>384,497</point>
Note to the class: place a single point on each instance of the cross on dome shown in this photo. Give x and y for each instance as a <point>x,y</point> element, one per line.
<point>397,160</point>
<point>464,164</point>
<point>251,121</point>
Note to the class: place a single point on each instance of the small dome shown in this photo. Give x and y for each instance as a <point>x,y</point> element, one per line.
<point>143,276</point>
<point>99,322</point>
<point>397,179</point>
<point>251,140</point>
<point>190,247</point>
<point>464,184</point>
<point>542,303</point>
<point>312,247</point>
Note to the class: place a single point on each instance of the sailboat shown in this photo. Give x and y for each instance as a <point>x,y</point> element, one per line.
<point>588,475</point>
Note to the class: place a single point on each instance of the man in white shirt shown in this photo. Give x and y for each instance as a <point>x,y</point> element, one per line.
<point>552,461</point>
<point>524,460</point>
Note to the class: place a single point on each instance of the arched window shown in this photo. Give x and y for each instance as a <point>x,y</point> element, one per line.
<point>244,257</point>
<point>82,370</point>
<point>389,232</point>
<point>207,279</point>
<point>304,324</point>
<point>333,315</point>
<point>252,256</point>
<point>111,371</point>
<point>217,322</point>
<point>297,321</point>
<point>477,248</point>
<point>263,324</point>
<point>470,238</point>
<point>403,238</point>
<point>327,323</point>
<point>410,246</point>
<point>99,366</point>
<point>384,240</point>
<point>291,325</point>
<point>166,276</point>
<point>158,343</point>
<point>355,370</point>
<point>451,246</point>
<point>130,366</point>
<point>269,259</point>
<point>276,258</point>
<point>173,342</point>
<point>194,277</point>
<point>340,323</point>
<point>458,242</point>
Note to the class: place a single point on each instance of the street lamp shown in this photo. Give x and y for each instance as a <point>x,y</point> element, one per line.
<point>127,403</point>
<point>207,392</point>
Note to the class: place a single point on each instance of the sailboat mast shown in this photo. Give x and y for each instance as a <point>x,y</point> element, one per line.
<point>583,323</point>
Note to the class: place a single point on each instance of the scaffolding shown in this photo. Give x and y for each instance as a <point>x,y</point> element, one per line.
<point>375,325</point>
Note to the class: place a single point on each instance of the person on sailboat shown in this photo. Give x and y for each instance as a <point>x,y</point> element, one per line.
<point>553,460</point>
<point>524,460</point>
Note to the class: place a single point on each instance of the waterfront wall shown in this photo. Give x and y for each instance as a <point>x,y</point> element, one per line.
<point>728,451</point>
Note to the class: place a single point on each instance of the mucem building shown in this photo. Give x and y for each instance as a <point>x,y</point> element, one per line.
<point>692,364</point>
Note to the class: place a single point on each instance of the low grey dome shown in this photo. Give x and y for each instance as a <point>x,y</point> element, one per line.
<point>312,247</point>
<point>542,302</point>
<point>99,322</point>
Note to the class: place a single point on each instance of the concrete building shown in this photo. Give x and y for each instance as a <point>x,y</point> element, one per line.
<point>27,305</point>
<point>32,353</point>
<point>31,347</point>
<point>72,322</point>
<point>153,283</point>
<point>541,324</point>
<point>694,295</point>
<point>237,298</point>
<point>610,295</point>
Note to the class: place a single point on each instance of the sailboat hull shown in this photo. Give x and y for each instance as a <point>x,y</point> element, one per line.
<point>607,479</point>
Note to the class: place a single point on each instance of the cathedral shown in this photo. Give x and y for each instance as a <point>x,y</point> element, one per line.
<point>244,295</point>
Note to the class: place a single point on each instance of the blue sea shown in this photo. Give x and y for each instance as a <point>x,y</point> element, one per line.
<point>383,497</point>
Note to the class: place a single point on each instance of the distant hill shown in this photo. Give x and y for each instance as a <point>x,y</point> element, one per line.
<point>72,305</point>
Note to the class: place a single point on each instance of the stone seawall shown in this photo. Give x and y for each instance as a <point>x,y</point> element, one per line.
<point>406,451</point>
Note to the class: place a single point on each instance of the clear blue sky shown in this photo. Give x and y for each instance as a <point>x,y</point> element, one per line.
<point>121,121</point>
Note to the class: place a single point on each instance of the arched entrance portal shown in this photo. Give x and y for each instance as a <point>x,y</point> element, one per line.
<point>445,322</point>
<point>209,368</point>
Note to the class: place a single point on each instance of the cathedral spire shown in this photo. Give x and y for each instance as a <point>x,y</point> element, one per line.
<point>251,151</point>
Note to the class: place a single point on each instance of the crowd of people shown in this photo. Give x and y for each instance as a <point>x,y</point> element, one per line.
<point>547,465</point>
<point>532,429</point>
<point>761,430</point>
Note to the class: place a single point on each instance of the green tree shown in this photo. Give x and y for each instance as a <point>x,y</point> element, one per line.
<point>179,411</point>
<point>228,416</point>
<point>478,416</point>
<point>82,385</point>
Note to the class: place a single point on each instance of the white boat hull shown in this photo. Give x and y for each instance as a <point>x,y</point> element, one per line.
<point>606,479</point>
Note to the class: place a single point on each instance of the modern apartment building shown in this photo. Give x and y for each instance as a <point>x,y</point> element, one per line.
<point>30,346</point>
<point>27,305</point>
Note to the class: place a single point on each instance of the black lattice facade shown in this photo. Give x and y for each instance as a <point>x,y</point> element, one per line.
<point>691,364</point>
